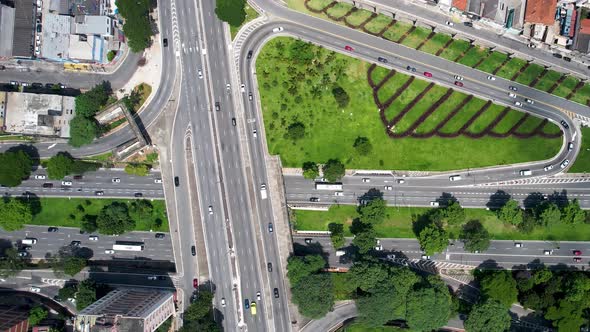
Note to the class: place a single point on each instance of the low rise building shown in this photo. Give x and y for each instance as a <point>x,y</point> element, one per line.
<point>507,14</point>
<point>38,114</point>
<point>13,319</point>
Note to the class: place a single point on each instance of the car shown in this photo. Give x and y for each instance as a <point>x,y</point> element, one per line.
<point>78,177</point>
<point>570,146</point>
<point>109,251</point>
<point>37,85</point>
<point>449,23</point>
<point>455,178</point>
<point>577,259</point>
<point>62,86</point>
<point>243,88</point>
<point>66,183</point>
<point>434,203</point>
<point>223,302</point>
<point>269,266</point>
<point>249,56</point>
<point>23,254</point>
<point>388,187</point>
<point>518,245</point>
<point>35,289</point>
<point>75,243</point>
<point>468,24</point>
<point>176,181</point>
<point>228,87</point>
<point>410,68</point>
<point>548,252</point>
<point>401,181</point>
<point>427,74</point>
<point>116,180</point>
<point>25,84</point>
<point>258,296</point>
<point>491,78</point>
<point>254,133</point>
<point>577,253</point>
<point>458,78</point>
<point>511,95</point>
<point>382,59</point>
<point>564,124</point>
<point>338,193</point>
<point>557,55</point>
<point>568,59</point>
<point>138,195</point>
<point>518,103</point>
<point>157,180</point>
<point>276,293</point>
<point>314,199</point>
<point>250,96</point>
<point>233,122</point>
<point>210,209</point>
<point>99,193</point>
<point>270,229</point>
<point>160,235</point>
<point>13,83</point>
<point>565,163</point>
<point>531,45</point>
<point>200,74</point>
<point>196,283</point>
<point>379,246</point>
<point>93,238</point>
<point>217,106</point>
<point>366,180</point>
<point>459,84</point>
<point>193,251</point>
<point>548,168</point>
<point>425,257</point>
<point>246,304</point>
<point>308,241</point>
<point>40,177</point>
<point>513,88</point>
<point>152,278</point>
<point>279,29</point>
<point>52,229</point>
<point>165,42</point>
<point>48,185</point>
<point>530,101</point>
<point>348,48</point>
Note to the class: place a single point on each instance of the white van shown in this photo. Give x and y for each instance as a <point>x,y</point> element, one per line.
<point>29,240</point>
<point>455,177</point>
<point>434,203</point>
<point>526,172</point>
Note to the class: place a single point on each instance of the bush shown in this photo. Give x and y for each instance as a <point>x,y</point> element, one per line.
<point>111,55</point>
<point>363,146</point>
<point>310,170</point>
<point>333,170</point>
<point>137,169</point>
<point>231,11</point>
<point>342,98</point>
<point>296,131</point>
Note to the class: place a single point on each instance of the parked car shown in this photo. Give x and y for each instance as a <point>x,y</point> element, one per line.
<point>52,229</point>
<point>109,251</point>
<point>160,235</point>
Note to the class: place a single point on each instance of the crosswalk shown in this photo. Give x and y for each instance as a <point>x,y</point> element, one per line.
<point>53,282</point>
<point>538,180</point>
<point>243,35</point>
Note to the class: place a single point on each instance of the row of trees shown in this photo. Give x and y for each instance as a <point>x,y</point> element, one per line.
<point>311,289</point>
<point>198,317</point>
<point>63,164</point>
<point>84,128</point>
<point>546,214</point>
<point>85,293</point>
<point>333,170</point>
<point>137,26</point>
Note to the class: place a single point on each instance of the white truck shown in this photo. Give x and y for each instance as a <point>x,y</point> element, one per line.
<point>263,191</point>
<point>340,253</point>
<point>328,186</point>
<point>526,172</point>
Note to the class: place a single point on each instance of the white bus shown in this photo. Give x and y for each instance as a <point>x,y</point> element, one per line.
<point>128,246</point>
<point>328,186</point>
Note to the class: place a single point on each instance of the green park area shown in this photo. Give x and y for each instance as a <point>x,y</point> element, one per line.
<point>582,163</point>
<point>317,103</point>
<point>442,44</point>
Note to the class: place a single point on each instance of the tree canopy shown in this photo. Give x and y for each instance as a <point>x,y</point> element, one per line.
<point>15,214</point>
<point>313,295</point>
<point>488,316</point>
<point>310,170</point>
<point>231,11</point>
<point>11,264</point>
<point>549,214</point>
<point>298,267</point>
<point>365,239</point>
<point>137,26</point>
<point>73,265</point>
<point>59,166</point>
<point>83,130</point>
<point>83,127</point>
<point>114,219</point>
<point>500,286</point>
<point>511,213</point>
<point>433,238</point>
<point>86,294</point>
<point>137,169</point>
<point>572,213</point>
<point>373,212</point>
<point>336,234</point>
<point>36,315</point>
<point>14,167</point>
<point>429,306</point>
<point>201,307</point>
<point>342,99</point>
<point>475,236</point>
<point>454,213</point>
<point>333,170</point>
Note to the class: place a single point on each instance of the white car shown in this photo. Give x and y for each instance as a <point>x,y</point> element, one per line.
<point>258,297</point>
<point>548,252</point>
<point>228,87</point>
<point>116,180</point>
<point>518,245</point>
<point>40,177</point>
<point>223,302</point>
<point>93,238</point>
<point>548,168</point>
<point>379,246</point>
<point>458,78</point>
<point>426,257</point>
<point>243,88</point>
<point>339,193</point>
<point>152,278</point>
<point>388,188</point>
<point>200,73</point>
<point>109,251</point>
<point>279,29</point>
<point>35,289</point>
<point>530,101</point>
<point>565,163</point>
<point>210,209</point>
<point>449,23</point>
<point>512,95</point>
<point>66,183</point>
<point>491,78</point>
<point>401,181</point>
<point>434,203</point>
<point>254,133</point>
<point>518,103</point>
<point>366,180</point>
<point>158,180</point>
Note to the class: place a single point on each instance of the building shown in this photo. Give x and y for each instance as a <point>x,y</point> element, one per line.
<point>38,114</point>
<point>507,14</point>
<point>13,319</point>
<point>7,28</point>
<point>582,40</point>
<point>552,22</point>
<point>17,25</point>
<point>127,310</point>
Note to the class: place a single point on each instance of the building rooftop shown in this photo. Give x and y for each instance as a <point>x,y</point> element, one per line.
<point>540,11</point>
<point>585,26</point>
<point>86,7</point>
<point>11,316</point>
<point>93,25</point>
<point>56,36</point>
<point>24,25</point>
<point>128,302</point>
<point>39,114</point>
<point>7,28</point>
<point>460,4</point>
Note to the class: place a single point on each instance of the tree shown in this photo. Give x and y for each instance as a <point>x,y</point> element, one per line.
<point>91,101</point>
<point>500,286</point>
<point>454,213</point>
<point>511,213</point>
<point>365,240</point>
<point>114,219</point>
<point>165,327</point>
<point>333,170</point>
<point>86,294</point>
<point>475,236</point>
<point>296,131</point>
<point>313,295</point>
<point>341,97</point>
<point>549,214</point>
<point>73,265</point>
<point>336,234</point>
<point>36,315</point>
<point>83,130</point>
<point>379,307</point>
<point>567,315</point>
<point>373,212</point>
<point>363,146</point>
<point>201,307</point>
<point>60,165</point>
<point>111,55</point>
<point>433,238</point>
<point>367,275</point>
<point>15,213</point>
<point>11,264</point>
<point>299,267</point>
<point>231,11</point>
<point>429,306</point>
<point>14,167</point>
<point>488,316</point>
<point>310,170</point>
<point>572,213</point>
<point>137,169</point>
<point>88,224</point>
<point>137,26</point>
<point>66,292</point>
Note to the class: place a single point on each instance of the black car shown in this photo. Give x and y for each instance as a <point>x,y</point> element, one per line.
<point>165,42</point>
<point>217,106</point>
<point>48,185</point>
<point>78,177</point>
<point>49,85</point>
<point>276,292</point>
<point>382,59</point>
<point>233,121</point>
<point>138,195</point>
<point>193,251</point>
<point>160,235</point>
<point>75,243</point>
<point>249,55</point>
<point>39,27</point>
<point>513,88</point>
<point>269,266</point>
<point>468,24</point>
<point>412,69</point>
<point>176,181</point>
<point>246,304</point>
<point>564,124</point>
<point>568,59</point>
<point>314,199</point>
<point>557,55</point>
<point>37,85</point>
<point>52,229</point>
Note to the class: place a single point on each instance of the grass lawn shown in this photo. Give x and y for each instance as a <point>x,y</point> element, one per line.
<point>416,38</point>
<point>360,327</point>
<point>250,15</point>
<point>582,95</point>
<point>341,286</point>
<point>378,23</point>
<point>441,113</point>
<point>566,86</point>
<point>582,163</point>
<point>511,67</point>
<point>358,17</point>
<point>144,91</point>
<point>473,56</point>
<point>101,157</point>
<point>398,224</point>
<point>15,138</point>
<point>339,9</point>
<point>493,61</point>
<point>396,31</point>
<point>115,124</point>
<point>422,106</point>
<point>532,72</point>
<point>293,90</point>
<point>435,43</point>
<point>57,211</point>
<point>547,81</point>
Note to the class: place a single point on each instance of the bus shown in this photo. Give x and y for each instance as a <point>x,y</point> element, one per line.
<point>328,186</point>
<point>128,246</point>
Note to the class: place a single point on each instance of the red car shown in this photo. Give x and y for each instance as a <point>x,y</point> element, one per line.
<point>427,74</point>
<point>577,253</point>
<point>348,48</point>
<point>457,83</point>
<point>196,283</point>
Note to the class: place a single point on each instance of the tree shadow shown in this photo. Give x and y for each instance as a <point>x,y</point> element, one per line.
<point>559,198</point>
<point>489,264</point>
<point>4,245</point>
<point>33,201</point>
<point>370,195</point>
<point>29,149</point>
<point>532,200</point>
<point>314,248</point>
<point>83,252</point>
<point>498,200</point>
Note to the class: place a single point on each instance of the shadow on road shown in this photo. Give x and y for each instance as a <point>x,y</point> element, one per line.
<point>497,200</point>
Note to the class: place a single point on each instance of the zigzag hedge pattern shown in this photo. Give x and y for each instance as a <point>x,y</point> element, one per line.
<point>463,131</point>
